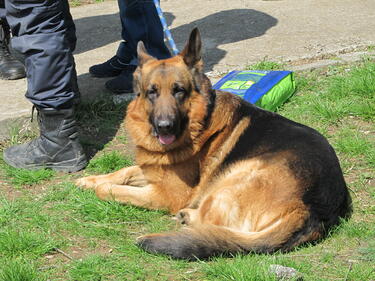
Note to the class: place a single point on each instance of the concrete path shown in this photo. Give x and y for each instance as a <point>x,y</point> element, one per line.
<point>235,33</point>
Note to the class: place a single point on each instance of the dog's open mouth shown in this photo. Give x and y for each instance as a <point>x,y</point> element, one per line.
<point>167,139</point>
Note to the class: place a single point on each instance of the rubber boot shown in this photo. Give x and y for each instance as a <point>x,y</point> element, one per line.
<point>10,67</point>
<point>56,148</point>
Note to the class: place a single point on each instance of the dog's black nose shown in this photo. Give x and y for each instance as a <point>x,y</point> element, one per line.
<point>164,126</point>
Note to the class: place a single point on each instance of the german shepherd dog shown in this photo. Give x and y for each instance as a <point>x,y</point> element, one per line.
<point>240,179</point>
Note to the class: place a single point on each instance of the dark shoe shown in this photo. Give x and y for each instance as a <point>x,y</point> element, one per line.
<point>111,68</point>
<point>56,148</point>
<point>10,67</point>
<point>123,83</point>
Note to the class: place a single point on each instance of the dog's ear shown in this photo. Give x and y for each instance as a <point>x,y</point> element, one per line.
<point>143,56</point>
<point>137,81</point>
<point>192,53</point>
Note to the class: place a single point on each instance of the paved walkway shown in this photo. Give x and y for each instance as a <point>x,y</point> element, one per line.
<point>235,33</point>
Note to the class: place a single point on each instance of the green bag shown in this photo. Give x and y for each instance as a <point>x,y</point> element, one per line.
<point>266,89</point>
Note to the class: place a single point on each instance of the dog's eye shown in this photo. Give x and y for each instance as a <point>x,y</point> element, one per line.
<point>152,94</point>
<point>179,93</point>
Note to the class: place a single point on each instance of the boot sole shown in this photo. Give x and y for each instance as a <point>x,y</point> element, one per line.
<point>15,76</point>
<point>65,166</point>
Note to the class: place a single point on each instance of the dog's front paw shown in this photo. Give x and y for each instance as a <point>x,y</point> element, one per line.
<point>87,182</point>
<point>104,191</point>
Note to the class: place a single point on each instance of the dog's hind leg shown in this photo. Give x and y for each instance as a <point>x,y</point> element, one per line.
<point>130,176</point>
<point>187,216</point>
<point>201,241</point>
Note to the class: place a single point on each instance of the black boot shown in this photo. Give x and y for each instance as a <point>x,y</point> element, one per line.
<point>56,148</point>
<point>111,68</point>
<point>10,67</point>
<point>123,83</point>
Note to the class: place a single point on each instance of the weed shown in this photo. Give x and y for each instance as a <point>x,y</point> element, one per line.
<point>8,210</point>
<point>91,268</point>
<point>21,177</point>
<point>108,162</point>
<point>265,65</point>
<point>351,142</point>
<point>19,269</point>
<point>368,252</point>
<point>99,121</point>
<point>76,3</point>
<point>20,243</point>
<point>243,268</point>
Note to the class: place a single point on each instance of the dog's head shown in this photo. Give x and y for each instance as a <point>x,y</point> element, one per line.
<point>171,91</point>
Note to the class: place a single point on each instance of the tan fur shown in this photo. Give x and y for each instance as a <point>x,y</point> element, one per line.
<point>252,204</point>
<point>172,174</point>
<point>248,205</point>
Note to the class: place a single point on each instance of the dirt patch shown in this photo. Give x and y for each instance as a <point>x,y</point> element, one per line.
<point>327,56</point>
<point>9,192</point>
<point>74,3</point>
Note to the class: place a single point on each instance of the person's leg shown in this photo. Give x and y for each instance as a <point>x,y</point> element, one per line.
<point>10,67</point>
<point>140,22</point>
<point>72,40</point>
<point>69,25</point>
<point>41,35</point>
<point>123,51</point>
<point>2,9</point>
<point>45,35</point>
<point>119,62</point>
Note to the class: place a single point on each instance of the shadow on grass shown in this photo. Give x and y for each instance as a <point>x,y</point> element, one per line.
<point>98,122</point>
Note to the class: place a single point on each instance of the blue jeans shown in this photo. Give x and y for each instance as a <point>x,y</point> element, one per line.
<point>140,22</point>
<point>43,30</point>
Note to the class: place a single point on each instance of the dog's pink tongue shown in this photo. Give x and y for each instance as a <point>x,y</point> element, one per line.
<point>167,139</point>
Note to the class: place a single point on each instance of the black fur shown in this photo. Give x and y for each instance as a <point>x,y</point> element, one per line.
<point>315,163</point>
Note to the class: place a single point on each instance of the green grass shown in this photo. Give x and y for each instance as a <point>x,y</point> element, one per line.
<point>368,251</point>
<point>109,162</point>
<point>19,135</point>
<point>8,209</point>
<point>20,177</point>
<point>19,270</point>
<point>355,144</point>
<point>42,213</point>
<point>76,3</point>
<point>265,65</point>
<point>94,267</point>
<point>328,103</point>
<point>15,243</point>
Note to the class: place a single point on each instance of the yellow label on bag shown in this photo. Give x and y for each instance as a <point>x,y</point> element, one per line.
<point>237,85</point>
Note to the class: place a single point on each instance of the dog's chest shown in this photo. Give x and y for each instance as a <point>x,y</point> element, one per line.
<point>183,175</point>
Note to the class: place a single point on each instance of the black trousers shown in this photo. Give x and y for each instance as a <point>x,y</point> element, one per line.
<point>4,28</point>
<point>43,30</point>
<point>2,9</point>
<point>140,22</point>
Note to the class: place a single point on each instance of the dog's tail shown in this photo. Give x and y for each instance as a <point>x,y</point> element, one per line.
<point>204,241</point>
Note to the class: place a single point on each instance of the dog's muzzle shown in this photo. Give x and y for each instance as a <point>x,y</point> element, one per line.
<point>166,130</point>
